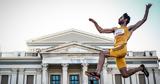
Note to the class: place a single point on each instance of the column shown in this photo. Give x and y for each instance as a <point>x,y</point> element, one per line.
<point>157,76</point>
<point>38,80</point>
<point>130,53</point>
<point>127,80</point>
<point>14,76</point>
<point>154,53</point>
<point>109,77</point>
<point>104,78</point>
<point>64,73</point>
<point>147,53</point>
<point>45,73</point>
<point>9,79</point>
<point>21,76</point>
<point>84,76</point>
<point>0,78</point>
<point>134,79</point>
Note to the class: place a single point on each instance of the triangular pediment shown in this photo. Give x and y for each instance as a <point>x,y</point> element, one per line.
<point>70,36</point>
<point>72,47</point>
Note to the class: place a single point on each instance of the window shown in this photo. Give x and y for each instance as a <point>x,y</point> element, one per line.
<point>55,79</point>
<point>93,81</point>
<point>74,79</point>
<point>118,79</point>
<point>30,79</point>
<point>4,79</point>
<point>142,79</point>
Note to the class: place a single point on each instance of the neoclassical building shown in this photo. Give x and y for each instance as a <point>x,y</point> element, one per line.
<point>64,57</point>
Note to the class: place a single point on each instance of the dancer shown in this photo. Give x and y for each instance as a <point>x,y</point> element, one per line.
<point>122,35</point>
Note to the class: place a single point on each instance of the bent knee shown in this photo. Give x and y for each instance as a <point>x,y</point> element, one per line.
<point>101,53</point>
<point>104,52</point>
<point>125,75</point>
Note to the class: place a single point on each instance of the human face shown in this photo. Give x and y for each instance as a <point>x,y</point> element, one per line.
<point>122,21</point>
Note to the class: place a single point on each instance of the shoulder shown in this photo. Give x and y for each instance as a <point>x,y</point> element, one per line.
<point>131,27</point>
<point>114,29</point>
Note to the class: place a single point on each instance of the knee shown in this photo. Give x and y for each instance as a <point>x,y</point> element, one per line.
<point>125,75</point>
<point>101,53</point>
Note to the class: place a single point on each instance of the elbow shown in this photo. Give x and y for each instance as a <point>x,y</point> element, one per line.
<point>144,19</point>
<point>100,32</point>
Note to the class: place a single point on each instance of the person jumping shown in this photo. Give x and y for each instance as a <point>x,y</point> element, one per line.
<point>121,37</point>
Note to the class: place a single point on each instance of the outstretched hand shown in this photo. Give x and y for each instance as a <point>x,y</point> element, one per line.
<point>148,5</point>
<point>92,20</point>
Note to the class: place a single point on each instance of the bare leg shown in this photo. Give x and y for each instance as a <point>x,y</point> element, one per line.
<point>126,73</point>
<point>101,61</point>
<point>102,56</point>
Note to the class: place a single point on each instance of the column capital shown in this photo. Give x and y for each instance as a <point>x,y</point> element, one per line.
<point>64,65</point>
<point>39,70</point>
<point>109,70</point>
<point>14,69</point>
<point>21,69</point>
<point>84,64</point>
<point>105,66</point>
<point>45,65</point>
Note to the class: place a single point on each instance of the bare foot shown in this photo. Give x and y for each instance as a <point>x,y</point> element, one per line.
<point>93,74</point>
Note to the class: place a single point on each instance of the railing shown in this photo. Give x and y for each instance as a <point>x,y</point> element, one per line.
<point>22,54</point>
<point>18,54</point>
<point>145,53</point>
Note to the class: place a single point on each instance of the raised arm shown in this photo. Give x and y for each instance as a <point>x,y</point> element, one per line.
<point>100,29</point>
<point>139,23</point>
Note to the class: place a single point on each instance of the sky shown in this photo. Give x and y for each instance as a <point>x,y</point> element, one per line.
<point>22,20</point>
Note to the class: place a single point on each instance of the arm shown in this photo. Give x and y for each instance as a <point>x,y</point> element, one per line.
<point>139,23</point>
<point>119,47</point>
<point>101,30</point>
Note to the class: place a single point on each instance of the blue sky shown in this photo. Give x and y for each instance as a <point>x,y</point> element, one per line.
<point>21,20</point>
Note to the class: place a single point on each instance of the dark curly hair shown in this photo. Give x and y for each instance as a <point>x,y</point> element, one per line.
<point>126,16</point>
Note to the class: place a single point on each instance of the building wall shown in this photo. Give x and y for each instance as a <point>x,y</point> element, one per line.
<point>72,53</point>
<point>19,75</point>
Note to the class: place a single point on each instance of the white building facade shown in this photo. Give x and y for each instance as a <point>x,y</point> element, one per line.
<point>65,56</point>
